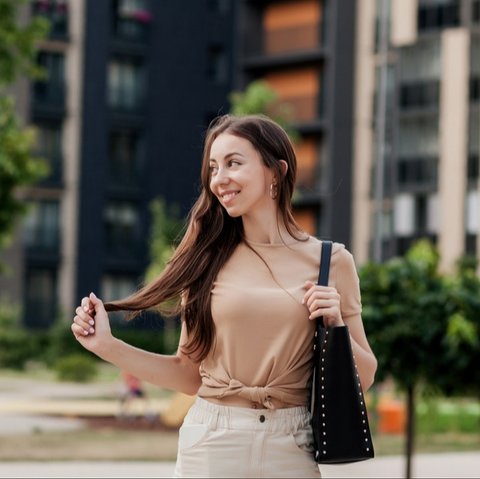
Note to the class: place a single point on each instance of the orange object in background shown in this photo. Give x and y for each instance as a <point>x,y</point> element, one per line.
<point>391,417</point>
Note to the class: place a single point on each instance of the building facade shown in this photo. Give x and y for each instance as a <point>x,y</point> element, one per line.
<point>304,49</point>
<point>131,87</point>
<point>431,128</point>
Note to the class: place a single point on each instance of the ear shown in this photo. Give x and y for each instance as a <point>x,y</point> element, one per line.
<point>284,167</point>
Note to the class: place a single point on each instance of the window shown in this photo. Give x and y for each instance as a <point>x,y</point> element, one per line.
<point>122,228</point>
<point>415,215</point>
<point>418,137</point>
<point>131,19</point>
<point>421,61</point>
<point>475,89</point>
<point>476,11</point>
<point>125,84</point>
<point>125,157</point>
<point>42,226</point>
<point>56,11</point>
<point>52,89</point>
<point>49,147</point>
<point>473,167</point>
<point>472,212</point>
<point>117,286</point>
<point>40,297</point>
<point>420,95</point>
<point>473,147</point>
<point>417,172</point>
<point>436,14</point>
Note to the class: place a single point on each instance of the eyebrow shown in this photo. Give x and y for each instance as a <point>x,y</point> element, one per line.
<point>227,156</point>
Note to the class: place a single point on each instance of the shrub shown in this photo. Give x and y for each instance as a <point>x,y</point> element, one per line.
<point>16,348</point>
<point>77,368</point>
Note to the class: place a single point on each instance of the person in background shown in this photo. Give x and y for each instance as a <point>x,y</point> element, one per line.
<point>132,392</point>
<point>244,277</point>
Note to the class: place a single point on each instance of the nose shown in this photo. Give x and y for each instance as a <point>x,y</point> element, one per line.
<point>220,178</point>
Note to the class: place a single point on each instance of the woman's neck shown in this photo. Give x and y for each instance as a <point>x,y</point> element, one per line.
<point>266,230</point>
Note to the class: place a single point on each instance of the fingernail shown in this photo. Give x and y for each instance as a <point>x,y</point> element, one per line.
<point>93,294</point>
<point>85,308</point>
<point>85,333</point>
<point>91,322</point>
<point>91,330</point>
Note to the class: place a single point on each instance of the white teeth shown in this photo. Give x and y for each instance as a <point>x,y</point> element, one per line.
<point>229,196</point>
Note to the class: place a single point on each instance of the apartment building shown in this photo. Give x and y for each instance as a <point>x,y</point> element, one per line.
<point>304,49</point>
<point>130,88</point>
<point>432,127</point>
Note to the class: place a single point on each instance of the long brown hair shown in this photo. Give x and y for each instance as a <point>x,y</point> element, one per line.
<point>212,235</point>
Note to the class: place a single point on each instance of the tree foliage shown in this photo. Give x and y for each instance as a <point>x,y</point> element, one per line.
<point>18,43</point>
<point>166,227</point>
<point>424,326</point>
<point>18,167</point>
<point>259,97</point>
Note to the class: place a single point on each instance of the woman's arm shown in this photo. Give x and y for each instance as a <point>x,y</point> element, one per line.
<point>324,301</point>
<point>363,354</point>
<point>177,372</point>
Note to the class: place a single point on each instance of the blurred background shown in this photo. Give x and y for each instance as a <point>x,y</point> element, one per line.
<point>104,105</point>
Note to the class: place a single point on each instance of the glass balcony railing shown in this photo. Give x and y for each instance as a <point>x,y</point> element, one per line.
<point>279,41</point>
<point>286,40</point>
<point>297,109</point>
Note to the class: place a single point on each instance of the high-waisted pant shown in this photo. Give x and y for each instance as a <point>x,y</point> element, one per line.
<point>224,441</point>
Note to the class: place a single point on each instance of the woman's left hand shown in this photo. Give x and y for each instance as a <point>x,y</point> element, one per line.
<point>323,301</point>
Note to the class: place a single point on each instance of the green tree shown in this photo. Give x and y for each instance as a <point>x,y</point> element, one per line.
<point>457,367</point>
<point>259,97</point>
<point>18,167</point>
<point>166,227</point>
<point>405,315</point>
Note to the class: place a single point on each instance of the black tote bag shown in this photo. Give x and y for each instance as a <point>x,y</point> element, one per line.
<point>339,415</point>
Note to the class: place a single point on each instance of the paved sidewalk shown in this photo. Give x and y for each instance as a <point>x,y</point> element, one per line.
<point>26,405</point>
<point>451,465</point>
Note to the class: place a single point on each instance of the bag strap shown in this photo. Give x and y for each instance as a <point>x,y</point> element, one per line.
<point>323,277</point>
<point>325,263</point>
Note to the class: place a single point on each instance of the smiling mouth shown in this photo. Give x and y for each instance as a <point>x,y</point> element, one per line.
<point>229,196</point>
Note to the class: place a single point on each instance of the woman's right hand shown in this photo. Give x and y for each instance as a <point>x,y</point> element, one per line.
<point>91,326</point>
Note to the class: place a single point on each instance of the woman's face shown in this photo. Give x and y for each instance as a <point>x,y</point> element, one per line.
<point>238,177</point>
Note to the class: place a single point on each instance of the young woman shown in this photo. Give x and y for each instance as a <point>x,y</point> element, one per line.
<point>244,276</point>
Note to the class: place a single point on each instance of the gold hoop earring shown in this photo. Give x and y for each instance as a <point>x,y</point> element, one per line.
<point>273,190</point>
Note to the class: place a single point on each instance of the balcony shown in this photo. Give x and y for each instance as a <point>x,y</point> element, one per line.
<point>301,111</point>
<point>417,174</point>
<point>419,95</point>
<point>287,46</point>
<point>56,12</point>
<point>131,21</point>
<point>439,16</point>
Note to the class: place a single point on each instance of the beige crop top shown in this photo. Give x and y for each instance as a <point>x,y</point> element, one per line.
<point>264,339</point>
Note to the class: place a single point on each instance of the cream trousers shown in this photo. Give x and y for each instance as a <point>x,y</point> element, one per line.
<point>223,441</point>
